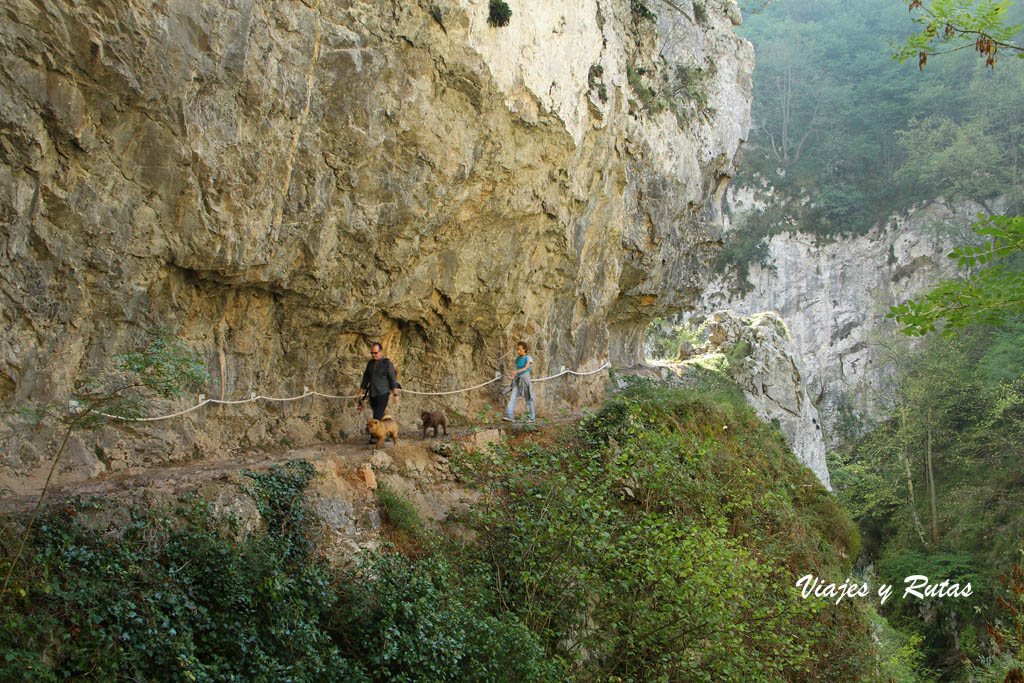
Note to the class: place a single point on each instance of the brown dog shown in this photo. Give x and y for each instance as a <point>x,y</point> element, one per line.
<point>382,429</point>
<point>435,420</point>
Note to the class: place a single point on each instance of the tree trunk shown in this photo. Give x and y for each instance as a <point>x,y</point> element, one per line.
<point>905,457</point>
<point>931,480</point>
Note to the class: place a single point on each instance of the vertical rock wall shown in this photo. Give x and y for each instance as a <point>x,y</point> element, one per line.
<point>834,297</point>
<point>283,182</point>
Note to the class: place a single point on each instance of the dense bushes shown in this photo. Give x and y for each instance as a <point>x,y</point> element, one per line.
<point>173,596</point>
<point>662,541</point>
<point>658,540</point>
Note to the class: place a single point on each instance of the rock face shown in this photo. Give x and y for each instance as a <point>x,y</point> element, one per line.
<point>764,361</point>
<point>834,298</point>
<point>283,182</point>
<point>760,357</point>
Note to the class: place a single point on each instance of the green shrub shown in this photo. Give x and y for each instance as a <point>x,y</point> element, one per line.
<point>700,13</point>
<point>176,596</point>
<point>662,541</point>
<point>594,81</point>
<point>173,597</point>
<point>420,620</point>
<point>402,521</point>
<point>648,96</point>
<point>499,13</point>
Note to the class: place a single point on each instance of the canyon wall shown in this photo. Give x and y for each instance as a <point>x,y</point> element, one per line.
<point>834,296</point>
<point>281,183</point>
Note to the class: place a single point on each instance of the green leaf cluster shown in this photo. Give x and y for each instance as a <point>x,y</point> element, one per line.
<point>498,13</point>
<point>991,294</point>
<point>950,25</point>
<point>426,621</point>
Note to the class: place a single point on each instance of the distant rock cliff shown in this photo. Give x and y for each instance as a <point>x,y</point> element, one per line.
<point>834,297</point>
<point>283,182</point>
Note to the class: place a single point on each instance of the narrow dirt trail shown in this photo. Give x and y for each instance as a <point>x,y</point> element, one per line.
<point>186,476</point>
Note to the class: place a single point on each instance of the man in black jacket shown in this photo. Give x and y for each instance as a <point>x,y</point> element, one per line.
<point>379,381</point>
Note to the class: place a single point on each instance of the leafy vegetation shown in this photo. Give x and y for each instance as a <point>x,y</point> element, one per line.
<point>658,540</point>
<point>685,93</point>
<point>173,596</point>
<point>958,160</point>
<point>176,596</point>
<point>164,369</point>
<point>845,138</point>
<point>499,13</point>
<point>992,294</point>
<point>700,13</point>
<point>662,540</point>
<point>648,96</point>
<point>402,523</point>
<point>937,490</point>
<point>594,77</point>
<point>951,25</point>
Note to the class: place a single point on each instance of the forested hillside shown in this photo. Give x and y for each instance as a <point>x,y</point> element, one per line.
<point>938,491</point>
<point>847,137</point>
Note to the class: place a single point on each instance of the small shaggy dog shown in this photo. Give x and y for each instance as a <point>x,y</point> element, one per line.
<point>435,420</point>
<point>382,429</point>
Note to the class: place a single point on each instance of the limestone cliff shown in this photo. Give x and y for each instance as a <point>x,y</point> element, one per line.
<point>763,360</point>
<point>834,297</point>
<point>283,182</point>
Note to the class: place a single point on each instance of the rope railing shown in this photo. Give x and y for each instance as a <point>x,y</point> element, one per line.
<point>308,392</point>
<point>573,372</point>
<point>448,393</point>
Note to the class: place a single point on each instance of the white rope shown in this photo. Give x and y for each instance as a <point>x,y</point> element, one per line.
<point>353,396</point>
<point>447,393</point>
<point>154,419</point>
<point>317,393</point>
<point>573,372</point>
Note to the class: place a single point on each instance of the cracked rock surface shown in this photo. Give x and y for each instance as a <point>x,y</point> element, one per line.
<point>282,182</point>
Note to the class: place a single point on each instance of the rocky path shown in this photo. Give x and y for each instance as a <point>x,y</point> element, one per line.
<point>176,479</point>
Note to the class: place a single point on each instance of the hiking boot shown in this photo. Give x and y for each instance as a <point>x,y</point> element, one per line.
<point>506,418</point>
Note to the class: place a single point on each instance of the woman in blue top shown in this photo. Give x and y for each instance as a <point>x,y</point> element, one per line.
<point>521,384</point>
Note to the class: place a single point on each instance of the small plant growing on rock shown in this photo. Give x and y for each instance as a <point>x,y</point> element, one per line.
<point>500,13</point>
<point>594,81</point>
<point>640,11</point>
<point>700,13</point>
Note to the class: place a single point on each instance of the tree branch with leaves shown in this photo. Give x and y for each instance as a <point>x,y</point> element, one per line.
<point>990,295</point>
<point>951,25</point>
